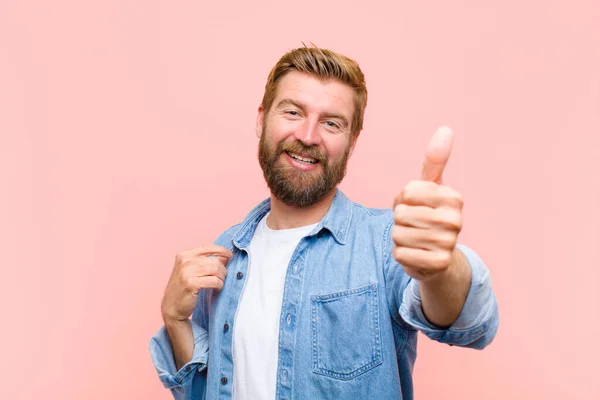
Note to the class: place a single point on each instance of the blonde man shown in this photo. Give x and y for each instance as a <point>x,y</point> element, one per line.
<point>313,296</point>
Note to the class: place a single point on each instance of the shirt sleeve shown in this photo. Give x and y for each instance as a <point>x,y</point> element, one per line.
<point>476,325</point>
<point>191,378</point>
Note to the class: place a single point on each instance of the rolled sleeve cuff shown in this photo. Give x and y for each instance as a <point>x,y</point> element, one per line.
<point>164,361</point>
<point>478,321</point>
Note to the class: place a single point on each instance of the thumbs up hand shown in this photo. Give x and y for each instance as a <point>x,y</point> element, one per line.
<point>428,215</point>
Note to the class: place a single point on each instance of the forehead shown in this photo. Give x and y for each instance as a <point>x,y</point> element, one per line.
<point>317,94</point>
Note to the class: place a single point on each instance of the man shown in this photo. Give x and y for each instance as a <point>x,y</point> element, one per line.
<point>322,298</point>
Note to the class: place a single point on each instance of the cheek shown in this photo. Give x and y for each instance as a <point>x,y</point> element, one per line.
<point>335,147</point>
<point>279,131</point>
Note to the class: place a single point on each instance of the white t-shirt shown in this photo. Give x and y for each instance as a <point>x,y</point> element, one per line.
<point>256,325</point>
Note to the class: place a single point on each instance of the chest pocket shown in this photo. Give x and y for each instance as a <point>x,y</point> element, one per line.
<point>346,339</point>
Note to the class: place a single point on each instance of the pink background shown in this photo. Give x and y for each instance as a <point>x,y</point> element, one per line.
<point>127,135</point>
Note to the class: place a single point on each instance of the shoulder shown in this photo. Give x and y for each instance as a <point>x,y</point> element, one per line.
<point>370,226</point>
<point>382,218</point>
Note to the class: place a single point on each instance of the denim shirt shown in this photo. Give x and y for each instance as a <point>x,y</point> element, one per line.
<point>349,318</point>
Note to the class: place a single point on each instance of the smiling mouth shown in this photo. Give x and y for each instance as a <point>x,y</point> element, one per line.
<point>306,160</point>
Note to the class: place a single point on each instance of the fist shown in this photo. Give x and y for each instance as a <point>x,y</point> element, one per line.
<point>428,216</point>
<point>194,270</point>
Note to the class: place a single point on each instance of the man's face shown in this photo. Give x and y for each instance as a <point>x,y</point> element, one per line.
<point>305,138</point>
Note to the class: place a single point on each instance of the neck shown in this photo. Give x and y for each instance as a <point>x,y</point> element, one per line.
<point>283,216</point>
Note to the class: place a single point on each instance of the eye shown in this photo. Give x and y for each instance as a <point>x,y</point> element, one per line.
<point>332,124</point>
<point>293,113</point>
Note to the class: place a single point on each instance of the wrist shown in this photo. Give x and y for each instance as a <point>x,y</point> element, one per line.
<point>172,320</point>
<point>458,267</point>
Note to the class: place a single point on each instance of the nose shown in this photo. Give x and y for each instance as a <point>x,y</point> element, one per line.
<point>308,133</point>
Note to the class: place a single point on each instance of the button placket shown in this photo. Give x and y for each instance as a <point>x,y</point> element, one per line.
<point>291,304</point>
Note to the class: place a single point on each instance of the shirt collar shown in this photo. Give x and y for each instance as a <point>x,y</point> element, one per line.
<point>336,220</point>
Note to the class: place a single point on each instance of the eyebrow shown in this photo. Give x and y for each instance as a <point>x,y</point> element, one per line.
<point>301,106</point>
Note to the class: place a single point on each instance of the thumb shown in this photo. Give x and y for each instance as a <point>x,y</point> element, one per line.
<point>437,155</point>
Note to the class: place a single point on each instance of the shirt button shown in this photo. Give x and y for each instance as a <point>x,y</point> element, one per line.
<point>240,275</point>
<point>188,368</point>
<point>289,319</point>
<point>224,380</point>
<point>226,327</point>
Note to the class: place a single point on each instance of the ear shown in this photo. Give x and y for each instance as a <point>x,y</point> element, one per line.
<point>260,119</point>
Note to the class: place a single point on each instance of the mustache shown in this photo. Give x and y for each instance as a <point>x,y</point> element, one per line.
<point>299,147</point>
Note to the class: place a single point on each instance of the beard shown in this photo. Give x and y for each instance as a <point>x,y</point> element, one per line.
<point>295,187</point>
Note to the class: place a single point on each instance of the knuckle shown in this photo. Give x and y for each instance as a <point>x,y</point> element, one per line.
<point>414,184</point>
<point>458,199</point>
<point>442,260</point>
<point>397,233</point>
<point>454,198</point>
<point>214,266</point>
<point>400,211</point>
<point>409,189</point>
<point>204,269</point>
<point>457,222</point>
<point>400,255</point>
<point>214,282</point>
<point>449,218</point>
<point>447,240</point>
<point>439,216</point>
<point>181,277</point>
<point>222,270</point>
<point>399,198</point>
<point>188,283</point>
<point>178,258</point>
<point>185,261</point>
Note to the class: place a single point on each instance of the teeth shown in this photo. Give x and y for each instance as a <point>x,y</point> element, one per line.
<point>307,160</point>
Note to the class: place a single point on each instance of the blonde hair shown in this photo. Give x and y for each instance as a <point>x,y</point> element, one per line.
<point>324,64</point>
